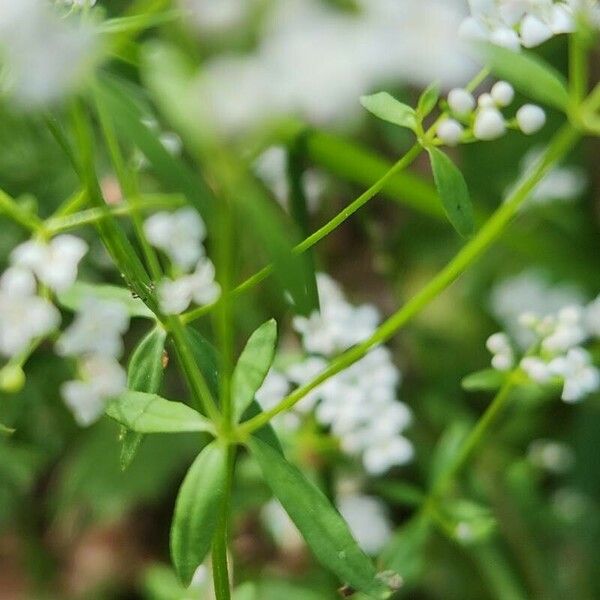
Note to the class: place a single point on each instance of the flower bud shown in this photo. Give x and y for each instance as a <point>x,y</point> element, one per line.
<point>450,131</point>
<point>503,93</point>
<point>489,124</point>
<point>531,118</point>
<point>12,379</point>
<point>461,101</point>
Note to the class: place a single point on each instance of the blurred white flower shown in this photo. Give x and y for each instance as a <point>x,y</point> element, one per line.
<point>368,521</point>
<point>24,316</point>
<point>337,325</point>
<point>102,378</point>
<point>551,455</point>
<point>592,317</point>
<point>179,235</point>
<point>579,375</point>
<point>97,329</point>
<point>516,23</point>
<point>530,291</point>
<point>45,56</point>
<point>273,389</point>
<point>215,16</point>
<point>315,61</point>
<point>503,356</point>
<point>54,263</point>
<point>200,286</point>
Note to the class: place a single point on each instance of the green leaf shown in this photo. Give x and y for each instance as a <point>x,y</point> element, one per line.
<point>453,192</point>
<point>74,297</point>
<point>428,100</point>
<point>487,380</point>
<point>144,374</point>
<point>321,525</point>
<point>136,23</point>
<point>266,433</point>
<point>447,450</point>
<point>196,510</point>
<point>252,366</point>
<point>5,430</point>
<point>389,109</point>
<point>149,413</point>
<point>529,74</point>
<point>206,358</point>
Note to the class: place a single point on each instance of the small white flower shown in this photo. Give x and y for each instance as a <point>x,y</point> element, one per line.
<point>506,37</point>
<point>553,456</point>
<point>534,31</point>
<point>502,93</point>
<point>536,369</point>
<point>24,316</point>
<point>486,101</point>
<point>499,345</point>
<point>567,330</point>
<point>179,234</point>
<point>580,376</point>
<point>97,329</point>
<point>55,264</point>
<point>102,378</point>
<point>386,453</point>
<point>368,520</point>
<point>531,118</point>
<point>489,124</point>
<point>200,286</point>
<point>461,102</point>
<point>450,131</point>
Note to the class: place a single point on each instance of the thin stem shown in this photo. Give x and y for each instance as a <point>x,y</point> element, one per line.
<point>563,141</point>
<point>220,568</point>
<point>578,69</point>
<point>91,216</point>
<point>69,206</point>
<point>18,214</point>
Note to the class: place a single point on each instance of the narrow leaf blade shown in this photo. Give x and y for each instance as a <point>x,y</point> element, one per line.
<point>453,192</point>
<point>387,108</point>
<point>428,100</point>
<point>196,510</point>
<point>149,413</point>
<point>320,524</point>
<point>252,366</point>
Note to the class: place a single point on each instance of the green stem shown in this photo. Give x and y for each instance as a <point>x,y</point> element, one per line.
<point>578,69</point>
<point>220,569</point>
<point>318,235</point>
<point>563,141</point>
<point>18,214</point>
<point>91,216</point>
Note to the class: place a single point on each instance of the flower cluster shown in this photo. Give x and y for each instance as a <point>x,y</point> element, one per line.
<point>516,23</point>
<point>26,314</point>
<point>482,119</point>
<point>180,236</point>
<point>557,354</point>
<point>359,405</point>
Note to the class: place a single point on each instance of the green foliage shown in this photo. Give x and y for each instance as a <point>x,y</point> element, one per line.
<point>198,502</point>
<point>428,99</point>
<point>320,524</point>
<point>252,366</point>
<point>487,380</point>
<point>453,192</point>
<point>387,108</point>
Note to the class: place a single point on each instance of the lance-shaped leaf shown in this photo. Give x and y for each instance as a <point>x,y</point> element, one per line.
<point>144,374</point>
<point>206,358</point>
<point>74,297</point>
<point>252,366</point>
<point>428,100</point>
<point>486,380</point>
<point>149,413</point>
<point>197,510</point>
<point>389,109</point>
<point>322,527</point>
<point>266,433</point>
<point>529,74</point>
<point>453,192</point>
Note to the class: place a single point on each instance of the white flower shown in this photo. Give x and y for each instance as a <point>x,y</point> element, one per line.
<point>45,56</point>
<point>338,325</point>
<point>531,118</point>
<point>579,375</point>
<point>216,17</point>
<point>499,345</point>
<point>102,378</point>
<point>566,331</point>
<point>368,521</point>
<point>553,456</point>
<point>489,124</point>
<point>485,100</point>
<point>386,453</point>
<point>536,369</point>
<point>24,316</point>
<point>176,295</point>
<point>502,93</point>
<point>461,102</point>
<point>55,264</point>
<point>179,234</point>
<point>450,131</point>
<point>97,329</point>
